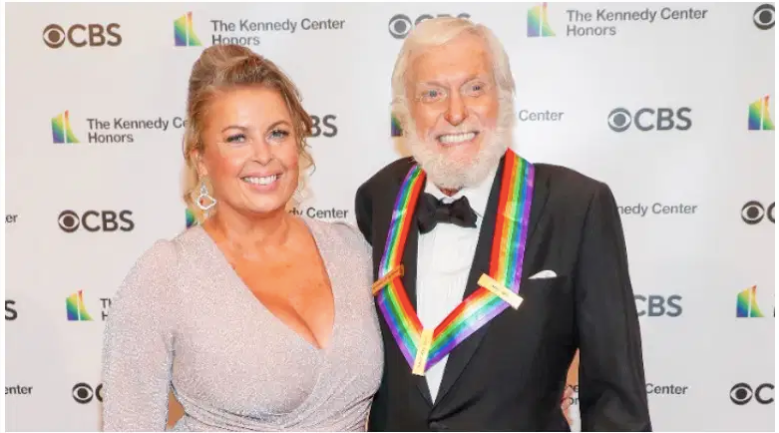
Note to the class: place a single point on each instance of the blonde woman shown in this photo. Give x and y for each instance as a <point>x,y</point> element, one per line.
<point>255,319</point>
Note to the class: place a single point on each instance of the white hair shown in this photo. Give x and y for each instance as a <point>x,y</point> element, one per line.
<point>434,33</point>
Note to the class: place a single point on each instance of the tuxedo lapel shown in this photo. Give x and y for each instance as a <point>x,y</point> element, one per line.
<point>462,354</point>
<point>540,196</point>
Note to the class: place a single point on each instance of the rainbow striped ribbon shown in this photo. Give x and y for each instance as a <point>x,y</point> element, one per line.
<point>506,260</point>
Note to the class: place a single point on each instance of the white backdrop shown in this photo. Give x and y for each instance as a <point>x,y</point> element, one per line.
<point>686,79</point>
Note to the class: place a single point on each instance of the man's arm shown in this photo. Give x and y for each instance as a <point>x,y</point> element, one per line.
<point>612,389</point>
<point>363,208</point>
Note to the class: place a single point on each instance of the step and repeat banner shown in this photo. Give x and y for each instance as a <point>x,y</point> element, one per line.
<point>670,104</point>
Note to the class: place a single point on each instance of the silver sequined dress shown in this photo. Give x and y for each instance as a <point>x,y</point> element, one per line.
<point>183,320</point>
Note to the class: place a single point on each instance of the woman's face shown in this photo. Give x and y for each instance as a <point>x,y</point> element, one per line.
<point>251,152</point>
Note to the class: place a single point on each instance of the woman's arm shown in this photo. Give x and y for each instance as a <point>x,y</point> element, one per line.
<point>138,345</point>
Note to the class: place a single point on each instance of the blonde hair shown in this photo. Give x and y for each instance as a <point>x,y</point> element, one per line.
<point>220,68</point>
<point>436,32</point>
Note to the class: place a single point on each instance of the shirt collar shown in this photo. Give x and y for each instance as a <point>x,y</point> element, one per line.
<point>477,195</point>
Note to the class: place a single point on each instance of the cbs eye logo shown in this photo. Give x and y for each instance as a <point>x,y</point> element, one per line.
<point>620,119</point>
<point>742,393</point>
<point>648,119</point>
<point>81,35</point>
<point>400,25</point>
<point>753,212</point>
<point>764,17</point>
<point>95,221</point>
<point>83,393</point>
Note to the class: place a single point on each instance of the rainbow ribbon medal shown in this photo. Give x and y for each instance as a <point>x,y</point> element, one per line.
<point>499,290</point>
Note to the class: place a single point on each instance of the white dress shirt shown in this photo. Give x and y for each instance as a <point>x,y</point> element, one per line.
<point>444,259</point>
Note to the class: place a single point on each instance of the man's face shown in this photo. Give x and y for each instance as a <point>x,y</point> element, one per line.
<point>454,107</point>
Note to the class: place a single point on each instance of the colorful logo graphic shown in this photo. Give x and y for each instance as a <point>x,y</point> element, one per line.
<point>538,23</point>
<point>61,130</point>
<point>184,32</point>
<point>746,304</point>
<point>760,115</point>
<point>77,312</point>
<point>397,131</point>
<point>191,221</point>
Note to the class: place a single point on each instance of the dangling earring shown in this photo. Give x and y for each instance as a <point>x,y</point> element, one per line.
<point>204,201</point>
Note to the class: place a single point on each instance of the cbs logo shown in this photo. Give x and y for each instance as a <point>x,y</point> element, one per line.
<point>742,393</point>
<point>10,311</point>
<point>647,119</point>
<point>764,17</point>
<point>83,393</point>
<point>400,25</point>
<point>753,212</point>
<point>328,128</point>
<point>657,305</point>
<point>95,221</point>
<point>81,35</point>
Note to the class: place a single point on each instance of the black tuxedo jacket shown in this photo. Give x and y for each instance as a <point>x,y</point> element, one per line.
<point>511,373</point>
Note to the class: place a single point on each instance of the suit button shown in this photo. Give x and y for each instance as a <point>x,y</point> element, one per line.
<point>437,426</point>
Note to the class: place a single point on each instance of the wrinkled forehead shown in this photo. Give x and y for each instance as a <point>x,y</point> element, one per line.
<point>465,58</point>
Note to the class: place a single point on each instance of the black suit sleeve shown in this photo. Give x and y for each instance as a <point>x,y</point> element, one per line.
<point>612,390</point>
<point>363,208</point>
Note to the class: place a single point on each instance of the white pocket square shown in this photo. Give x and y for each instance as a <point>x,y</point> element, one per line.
<point>543,274</point>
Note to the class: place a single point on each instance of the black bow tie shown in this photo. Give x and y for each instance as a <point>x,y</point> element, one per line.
<point>433,211</point>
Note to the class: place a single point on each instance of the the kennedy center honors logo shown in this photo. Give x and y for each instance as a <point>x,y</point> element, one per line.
<point>184,32</point>
<point>746,303</point>
<point>61,131</point>
<point>77,311</point>
<point>538,22</point>
<point>760,115</point>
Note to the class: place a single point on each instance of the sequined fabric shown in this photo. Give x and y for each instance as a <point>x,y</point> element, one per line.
<point>183,320</point>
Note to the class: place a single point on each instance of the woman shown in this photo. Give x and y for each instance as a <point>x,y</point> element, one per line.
<point>256,319</point>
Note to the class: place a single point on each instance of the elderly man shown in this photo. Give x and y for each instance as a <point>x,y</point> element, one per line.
<point>491,271</point>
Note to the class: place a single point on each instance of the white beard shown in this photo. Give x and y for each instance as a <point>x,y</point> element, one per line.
<point>448,173</point>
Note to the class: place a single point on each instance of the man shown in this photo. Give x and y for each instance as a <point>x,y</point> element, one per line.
<point>491,271</point>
